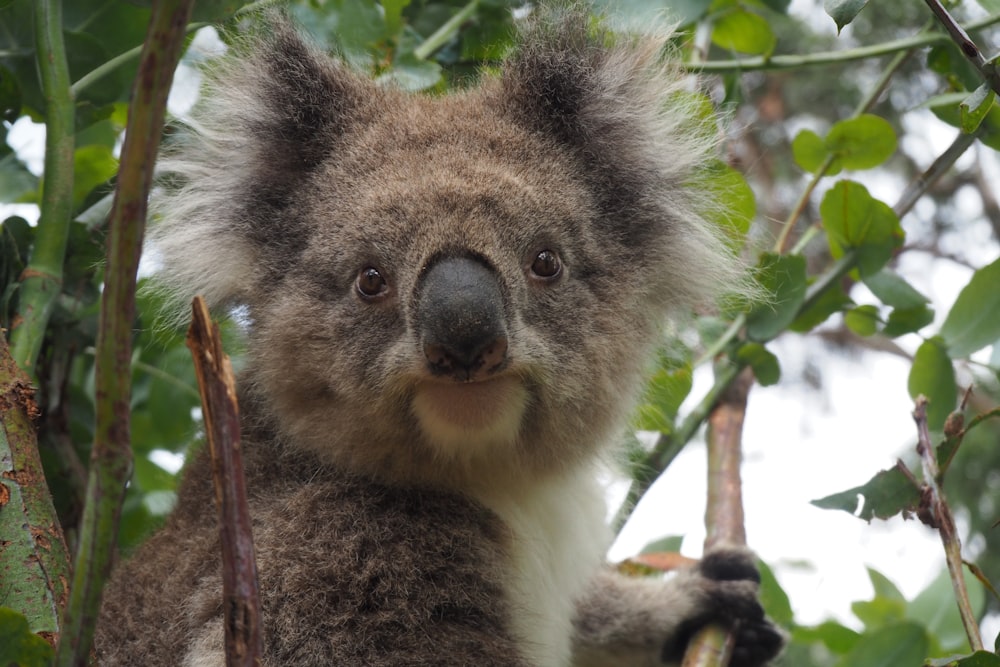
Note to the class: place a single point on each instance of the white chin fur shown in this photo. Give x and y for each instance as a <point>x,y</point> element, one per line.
<point>461,418</point>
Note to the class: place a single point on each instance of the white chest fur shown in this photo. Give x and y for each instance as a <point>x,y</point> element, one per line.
<point>558,539</point>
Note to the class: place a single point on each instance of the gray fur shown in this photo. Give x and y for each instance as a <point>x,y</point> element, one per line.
<point>402,518</point>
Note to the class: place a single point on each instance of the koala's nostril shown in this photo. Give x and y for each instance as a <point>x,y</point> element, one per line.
<point>467,363</point>
<point>494,354</point>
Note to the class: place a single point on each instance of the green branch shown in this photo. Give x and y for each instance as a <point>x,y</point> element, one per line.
<point>445,32</point>
<point>41,282</point>
<point>110,462</point>
<point>832,57</point>
<point>34,570</point>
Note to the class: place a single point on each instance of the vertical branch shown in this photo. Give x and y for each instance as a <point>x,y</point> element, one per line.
<point>110,462</point>
<point>222,426</point>
<point>712,646</point>
<point>934,511</point>
<point>34,569</point>
<point>41,281</point>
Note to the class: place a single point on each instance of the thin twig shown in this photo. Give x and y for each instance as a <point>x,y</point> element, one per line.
<point>241,602</point>
<point>966,45</point>
<point>712,646</point>
<point>832,57</point>
<point>110,462</point>
<point>936,513</point>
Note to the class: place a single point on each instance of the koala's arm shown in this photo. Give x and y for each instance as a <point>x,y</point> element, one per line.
<point>646,622</point>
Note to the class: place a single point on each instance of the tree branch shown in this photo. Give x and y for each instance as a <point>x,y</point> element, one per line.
<point>965,44</point>
<point>34,569</point>
<point>110,462</point>
<point>712,646</point>
<point>222,426</point>
<point>41,281</point>
<point>936,513</point>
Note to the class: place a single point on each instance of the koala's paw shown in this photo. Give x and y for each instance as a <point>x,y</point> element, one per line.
<point>726,583</point>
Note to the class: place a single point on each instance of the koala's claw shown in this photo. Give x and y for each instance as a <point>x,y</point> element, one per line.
<point>729,581</point>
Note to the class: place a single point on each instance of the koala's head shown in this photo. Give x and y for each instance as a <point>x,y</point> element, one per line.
<point>439,288</point>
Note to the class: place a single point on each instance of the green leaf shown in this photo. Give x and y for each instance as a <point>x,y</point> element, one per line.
<point>394,14</point>
<point>773,597</point>
<point>936,610</point>
<point>885,495</point>
<point>764,364</point>
<point>832,300</point>
<point>665,392</point>
<point>93,166</point>
<point>735,204</point>
<point>933,375</point>
<point>884,586</point>
<point>784,279</point>
<point>667,544</point>
<point>843,11</point>
<point>854,219</point>
<point>836,637</point>
<point>893,291</point>
<point>10,95</point>
<point>862,320</point>
<point>879,612</point>
<point>862,142</point>
<point>974,320</point>
<point>411,73</point>
<point>16,182</point>
<point>743,31</point>
<point>809,151</point>
<point>19,646</point>
<point>973,109</point>
<point>907,320</point>
<point>977,659</point>
<point>902,644</point>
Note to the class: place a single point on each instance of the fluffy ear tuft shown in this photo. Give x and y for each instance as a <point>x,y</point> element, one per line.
<point>622,107</point>
<point>272,111</point>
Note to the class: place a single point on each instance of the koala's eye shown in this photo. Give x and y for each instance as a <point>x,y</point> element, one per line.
<point>370,283</point>
<point>546,265</point>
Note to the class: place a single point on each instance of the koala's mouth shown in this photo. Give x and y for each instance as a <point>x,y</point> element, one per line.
<point>460,414</point>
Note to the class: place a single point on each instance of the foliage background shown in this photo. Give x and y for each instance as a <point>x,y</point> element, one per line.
<point>821,187</point>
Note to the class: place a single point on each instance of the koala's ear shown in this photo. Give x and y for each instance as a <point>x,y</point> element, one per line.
<point>618,104</point>
<point>272,111</point>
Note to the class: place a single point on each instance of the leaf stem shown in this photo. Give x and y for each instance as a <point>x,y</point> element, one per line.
<point>41,281</point>
<point>110,462</point>
<point>445,32</point>
<point>832,57</point>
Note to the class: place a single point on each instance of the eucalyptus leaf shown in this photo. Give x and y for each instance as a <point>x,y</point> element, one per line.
<point>784,279</point>
<point>933,375</point>
<point>843,11</point>
<point>973,109</point>
<point>974,320</point>
<point>885,495</point>
<point>743,31</point>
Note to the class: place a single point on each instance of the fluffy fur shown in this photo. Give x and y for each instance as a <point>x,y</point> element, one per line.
<point>403,515</point>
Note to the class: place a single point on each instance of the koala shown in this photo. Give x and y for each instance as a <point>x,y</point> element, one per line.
<point>450,302</point>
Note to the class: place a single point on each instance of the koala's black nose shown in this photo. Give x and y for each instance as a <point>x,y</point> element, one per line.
<point>461,319</point>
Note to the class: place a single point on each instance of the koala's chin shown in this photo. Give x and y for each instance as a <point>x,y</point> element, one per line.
<point>458,416</point>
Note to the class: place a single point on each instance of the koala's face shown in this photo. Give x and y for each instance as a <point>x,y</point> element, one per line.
<point>452,300</point>
<point>451,287</point>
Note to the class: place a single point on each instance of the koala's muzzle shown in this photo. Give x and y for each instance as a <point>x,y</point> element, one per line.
<point>461,319</point>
